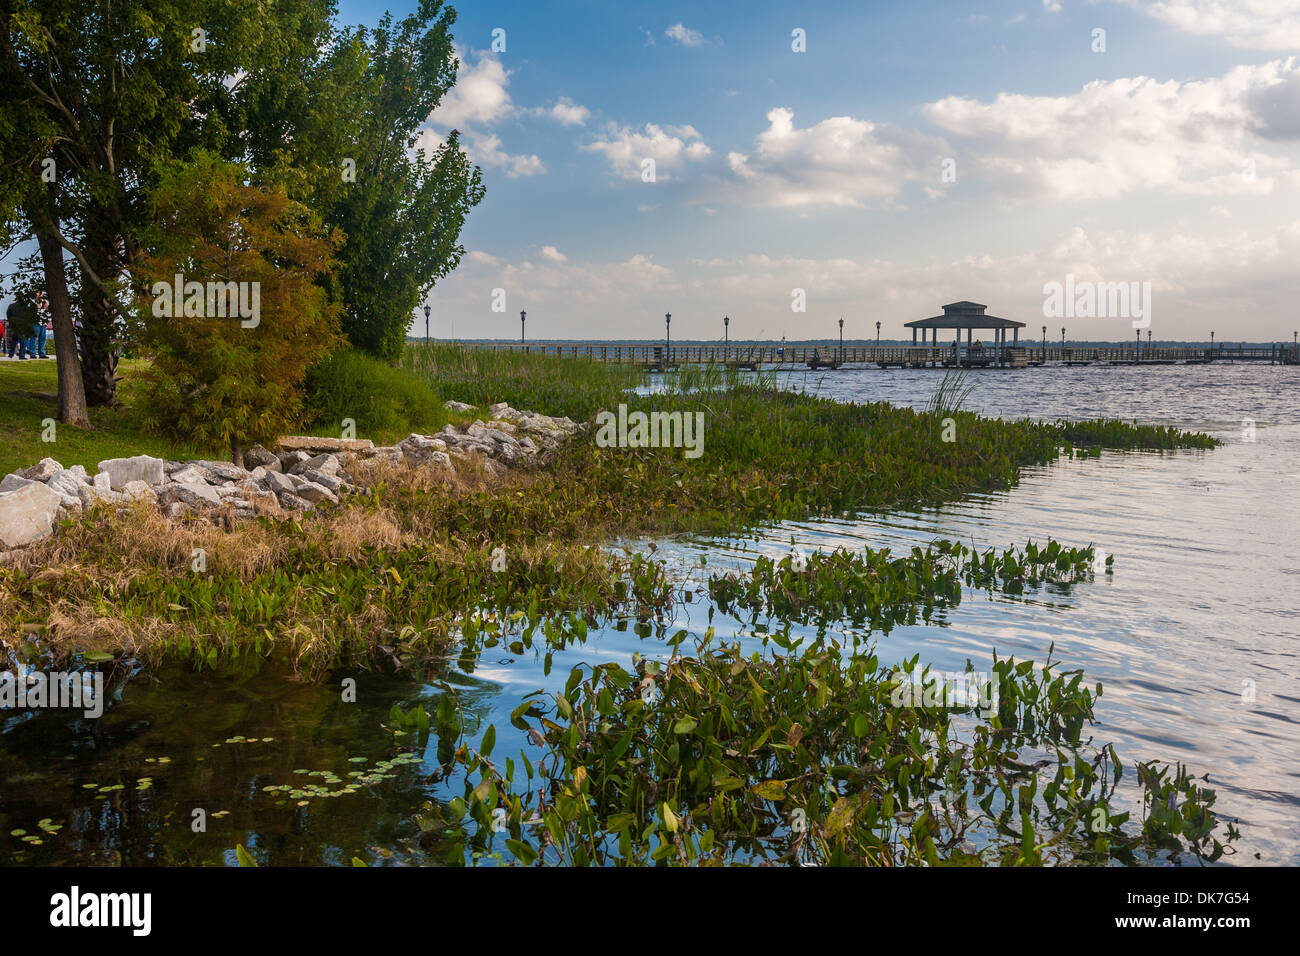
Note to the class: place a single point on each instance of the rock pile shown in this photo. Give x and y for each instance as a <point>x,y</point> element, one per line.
<point>302,473</point>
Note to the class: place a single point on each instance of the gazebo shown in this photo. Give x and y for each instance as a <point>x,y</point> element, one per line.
<point>970,316</point>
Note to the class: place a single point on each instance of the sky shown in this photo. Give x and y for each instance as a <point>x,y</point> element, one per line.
<point>910,155</point>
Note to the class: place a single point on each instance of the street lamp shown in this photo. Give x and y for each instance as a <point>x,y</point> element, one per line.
<point>1044,344</point>
<point>1137,349</point>
<point>668,340</point>
<point>726,337</point>
<point>426,324</point>
<point>1149,352</point>
<point>877,335</point>
<point>522,316</point>
<point>1062,343</point>
<point>841,340</point>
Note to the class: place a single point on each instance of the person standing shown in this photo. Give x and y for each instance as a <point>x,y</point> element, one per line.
<point>20,320</point>
<point>42,323</point>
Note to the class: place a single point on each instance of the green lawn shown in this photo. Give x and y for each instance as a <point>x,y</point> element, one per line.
<point>28,397</point>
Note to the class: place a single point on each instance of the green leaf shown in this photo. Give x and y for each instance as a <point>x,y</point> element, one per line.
<point>244,857</point>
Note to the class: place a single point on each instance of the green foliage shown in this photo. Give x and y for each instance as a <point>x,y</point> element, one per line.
<point>213,380</point>
<point>721,758</point>
<point>386,403</point>
<point>365,101</point>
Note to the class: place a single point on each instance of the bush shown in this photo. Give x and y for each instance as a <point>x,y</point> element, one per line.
<point>386,403</point>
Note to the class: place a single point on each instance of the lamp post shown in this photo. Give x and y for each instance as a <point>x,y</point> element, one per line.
<point>726,336</point>
<point>1211,343</point>
<point>877,335</point>
<point>1150,354</point>
<point>1044,345</point>
<point>1137,349</point>
<point>841,340</point>
<point>522,316</point>
<point>427,310</point>
<point>1062,343</point>
<point>668,339</point>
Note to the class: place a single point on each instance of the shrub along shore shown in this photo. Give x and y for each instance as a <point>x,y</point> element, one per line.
<point>709,765</point>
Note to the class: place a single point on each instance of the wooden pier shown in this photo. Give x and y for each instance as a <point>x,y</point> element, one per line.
<point>658,357</point>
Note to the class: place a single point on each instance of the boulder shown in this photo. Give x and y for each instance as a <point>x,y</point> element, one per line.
<point>458,406</point>
<point>278,483</point>
<point>15,481</point>
<point>191,475</point>
<point>193,494</point>
<point>139,468</point>
<point>139,491</point>
<point>327,463</point>
<point>27,514</point>
<point>316,493</point>
<point>256,456</point>
<point>293,502</point>
<point>219,471</point>
<point>321,478</point>
<point>43,470</point>
<point>316,445</point>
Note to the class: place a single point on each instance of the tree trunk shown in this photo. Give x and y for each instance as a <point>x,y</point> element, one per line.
<point>72,394</point>
<point>99,314</point>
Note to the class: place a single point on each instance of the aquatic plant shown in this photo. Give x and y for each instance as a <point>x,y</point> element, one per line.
<point>722,758</point>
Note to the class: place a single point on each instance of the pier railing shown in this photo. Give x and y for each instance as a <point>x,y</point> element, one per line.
<point>659,355</point>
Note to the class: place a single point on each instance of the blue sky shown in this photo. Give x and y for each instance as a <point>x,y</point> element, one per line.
<point>1169,157</point>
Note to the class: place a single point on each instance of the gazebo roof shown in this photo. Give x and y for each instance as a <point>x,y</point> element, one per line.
<point>964,315</point>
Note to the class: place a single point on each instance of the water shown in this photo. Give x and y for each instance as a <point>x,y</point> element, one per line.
<point>1193,638</point>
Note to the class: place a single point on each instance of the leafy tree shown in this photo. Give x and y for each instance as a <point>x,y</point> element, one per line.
<point>345,142</point>
<point>215,378</point>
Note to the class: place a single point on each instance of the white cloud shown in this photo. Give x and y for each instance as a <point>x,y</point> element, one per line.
<point>670,147</point>
<point>552,254</point>
<point>485,149</point>
<point>684,35</point>
<point>840,161</point>
<point>1118,136</point>
<point>569,113</point>
<point>479,96</point>
<point>1052,6</point>
<point>1253,24</point>
<point>1233,281</point>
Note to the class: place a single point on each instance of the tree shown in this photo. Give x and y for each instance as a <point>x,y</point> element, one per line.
<point>218,378</point>
<point>30,199</point>
<point>345,142</point>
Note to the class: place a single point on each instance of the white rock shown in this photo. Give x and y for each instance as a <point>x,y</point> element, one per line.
<point>316,493</point>
<point>191,475</point>
<point>325,481</point>
<point>194,494</point>
<point>140,468</point>
<point>139,491</point>
<point>44,470</point>
<point>27,514</point>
